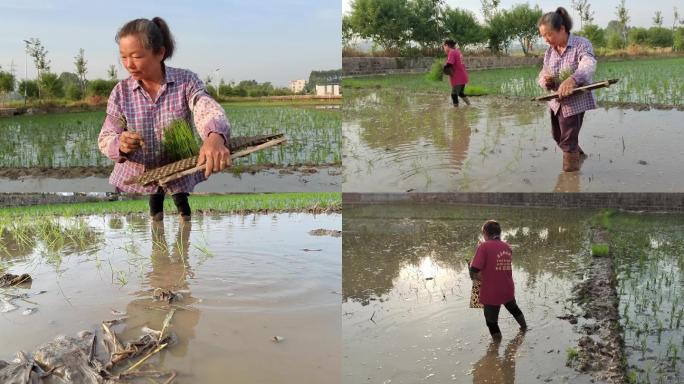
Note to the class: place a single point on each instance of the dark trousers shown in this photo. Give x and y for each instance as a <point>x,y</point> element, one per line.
<point>179,199</point>
<point>566,130</point>
<point>456,91</point>
<point>491,313</point>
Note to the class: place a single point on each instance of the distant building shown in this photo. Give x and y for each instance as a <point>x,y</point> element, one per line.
<point>297,86</point>
<point>328,90</point>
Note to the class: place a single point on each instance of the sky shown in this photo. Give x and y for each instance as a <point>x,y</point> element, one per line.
<point>264,40</point>
<point>641,12</point>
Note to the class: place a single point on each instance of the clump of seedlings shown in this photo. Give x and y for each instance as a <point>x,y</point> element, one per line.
<point>599,250</point>
<point>179,142</point>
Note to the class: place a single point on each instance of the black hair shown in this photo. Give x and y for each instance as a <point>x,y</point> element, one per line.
<point>153,34</point>
<point>556,19</point>
<point>450,43</point>
<point>491,228</point>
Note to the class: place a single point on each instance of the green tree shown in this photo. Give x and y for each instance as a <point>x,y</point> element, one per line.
<point>582,8</point>
<point>35,49</point>
<point>489,9</point>
<point>623,19</point>
<point>615,41</point>
<point>347,31</point>
<point>6,82</point>
<point>462,27</point>
<point>522,21</point>
<point>100,87</point>
<point>678,40</point>
<point>660,37</point>
<point>29,88</point>
<point>426,22</point>
<point>638,36</point>
<point>73,92</point>
<point>51,86</point>
<point>111,73</point>
<point>81,68</point>
<point>658,19</point>
<point>499,32</point>
<point>386,22</point>
<point>595,34</point>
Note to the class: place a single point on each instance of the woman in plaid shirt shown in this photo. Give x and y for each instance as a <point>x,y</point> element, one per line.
<point>143,105</point>
<point>572,56</point>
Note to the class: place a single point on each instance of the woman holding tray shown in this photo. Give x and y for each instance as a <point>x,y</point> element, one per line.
<point>569,62</point>
<point>143,105</point>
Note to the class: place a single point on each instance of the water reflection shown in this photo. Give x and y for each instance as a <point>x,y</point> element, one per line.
<point>495,369</point>
<point>170,270</point>
<point>378,249</point>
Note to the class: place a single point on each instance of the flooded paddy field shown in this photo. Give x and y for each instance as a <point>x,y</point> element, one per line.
<point>243,280</point>
<point>406,292</point>
<point>398,140</point>
<point>65,143</point>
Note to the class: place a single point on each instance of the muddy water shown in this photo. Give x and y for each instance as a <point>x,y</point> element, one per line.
<point>324,179</point>
<point>243,281</point>
<point>406,291</point>
<point>399,141</point>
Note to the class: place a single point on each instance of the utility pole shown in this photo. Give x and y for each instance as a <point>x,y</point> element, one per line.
<point>26,70</point>
<point>218,84</point>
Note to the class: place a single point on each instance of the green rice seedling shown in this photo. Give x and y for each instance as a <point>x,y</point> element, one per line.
<point>599,250</point>
<point>436,70</point>
<point>179,142</point>
<point>572,355</point>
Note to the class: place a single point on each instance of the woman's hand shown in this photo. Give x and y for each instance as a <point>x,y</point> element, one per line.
<point>129,142</point>
<point>549,81</point>
<point>214,153</point>
<point>566,87</point>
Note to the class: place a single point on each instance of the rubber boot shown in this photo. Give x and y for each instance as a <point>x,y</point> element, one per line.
<point>521,321</point>
<point>157,206</point>
<point>571,161</point>
<point>181,201</point>
<point>465,99</point>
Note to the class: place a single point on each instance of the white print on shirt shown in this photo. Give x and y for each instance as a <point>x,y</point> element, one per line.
<point>503,261</point>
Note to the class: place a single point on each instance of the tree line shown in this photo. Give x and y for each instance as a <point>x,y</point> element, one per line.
<point>75,86</point>
<point>412,27</point>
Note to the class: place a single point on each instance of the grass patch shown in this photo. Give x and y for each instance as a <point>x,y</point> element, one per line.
<point>599,250</point>
<point>229,204</point>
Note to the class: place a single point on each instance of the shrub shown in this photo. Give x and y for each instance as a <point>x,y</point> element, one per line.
<point>101,87</point>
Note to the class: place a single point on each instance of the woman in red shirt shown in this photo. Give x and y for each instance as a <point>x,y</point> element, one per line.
<point>454,67</point>
<point>492,266</point>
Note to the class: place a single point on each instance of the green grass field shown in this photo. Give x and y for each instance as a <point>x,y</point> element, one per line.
<point>229,204</point>
<point>648,81</point>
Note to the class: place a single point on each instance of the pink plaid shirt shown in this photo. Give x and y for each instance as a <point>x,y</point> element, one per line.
<point>579,58</point>
<point>182,96</point>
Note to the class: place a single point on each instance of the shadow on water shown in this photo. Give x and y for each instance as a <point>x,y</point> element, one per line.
<point>406,294</point>
<point>397,140</point>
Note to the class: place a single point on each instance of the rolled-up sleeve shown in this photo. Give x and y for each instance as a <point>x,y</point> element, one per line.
<point>586,64</point>
<point>207,114</point>
<point>108,140</point>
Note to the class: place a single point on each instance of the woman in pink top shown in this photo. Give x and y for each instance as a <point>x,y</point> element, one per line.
<point>454,67</point>
<point>492,266</point>
<point>142,106</point>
